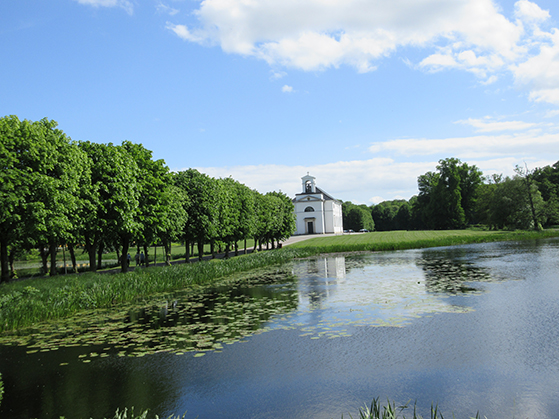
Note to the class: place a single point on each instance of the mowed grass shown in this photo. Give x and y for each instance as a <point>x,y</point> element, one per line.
<point>400,240</point>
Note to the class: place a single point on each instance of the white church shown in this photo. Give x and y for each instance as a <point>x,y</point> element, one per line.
<point>317,212</point>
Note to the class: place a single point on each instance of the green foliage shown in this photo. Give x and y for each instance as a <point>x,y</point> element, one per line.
<point>1,388</point>
<point>504,203</point>
<point>447,198</point>
<point>357,217</point>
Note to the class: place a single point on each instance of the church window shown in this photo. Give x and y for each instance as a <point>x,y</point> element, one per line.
<point>309,209</point>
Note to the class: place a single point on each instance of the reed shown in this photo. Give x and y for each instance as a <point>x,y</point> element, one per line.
<point>390,411</point>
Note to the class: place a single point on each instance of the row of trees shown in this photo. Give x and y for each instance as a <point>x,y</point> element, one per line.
<point>458,195</point>
<point>55,191</point>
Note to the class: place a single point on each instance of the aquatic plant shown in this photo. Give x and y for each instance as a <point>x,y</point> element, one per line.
<point>23,303</point>
<point>125,414</point>
<point>1,388</point>
<point>390,411</point>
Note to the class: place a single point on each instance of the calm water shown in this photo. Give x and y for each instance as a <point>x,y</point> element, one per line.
<point>469,327</point>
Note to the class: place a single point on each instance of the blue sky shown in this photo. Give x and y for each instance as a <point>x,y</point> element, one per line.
<point>366,95</point>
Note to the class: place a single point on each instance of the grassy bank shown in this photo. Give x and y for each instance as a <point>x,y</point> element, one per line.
<point>401,240</point>
<point>24,303</point>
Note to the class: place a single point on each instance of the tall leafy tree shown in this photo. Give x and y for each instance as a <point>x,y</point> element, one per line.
<point>174,219</point>
<point>152,181</point>
<point>16,148</point>
<point>110,201</point>
<point>58,174</point>
<point>201,226</point>
<point>284,216</point>
<point>447,198</point>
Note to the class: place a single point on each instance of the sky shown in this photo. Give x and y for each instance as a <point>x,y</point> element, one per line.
<point>365,95</point>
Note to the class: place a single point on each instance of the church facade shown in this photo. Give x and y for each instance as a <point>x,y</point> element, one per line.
<point>317,212</point>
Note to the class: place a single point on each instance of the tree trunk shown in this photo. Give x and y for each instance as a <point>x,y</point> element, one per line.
<point>167,245</point>
<point>73,257</point>
<point>4,259</point>
<point>227,251</point>
<point>236,249</point>
<point>146,249</point>
<point>100,255</point>
<point>186,251</point>
<point>212,248</point>
<point>91,248</point>
<point>44,259</point>
<point>200,249</point>
<point>124,259</point>
<point>245,246</point>
<point>52,250</point>
<point>11,260</point>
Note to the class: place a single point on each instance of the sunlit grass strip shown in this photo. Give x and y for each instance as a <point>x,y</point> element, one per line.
<point>24,303</point>
<point>401,240</point>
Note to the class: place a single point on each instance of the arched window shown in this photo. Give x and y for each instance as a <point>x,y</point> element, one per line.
<point>309,209</point>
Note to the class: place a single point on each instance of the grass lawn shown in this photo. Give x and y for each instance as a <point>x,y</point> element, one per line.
<point>399,240</point>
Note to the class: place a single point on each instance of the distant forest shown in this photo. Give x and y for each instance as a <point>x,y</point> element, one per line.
<point>457,196</point>
<point>98,197</point>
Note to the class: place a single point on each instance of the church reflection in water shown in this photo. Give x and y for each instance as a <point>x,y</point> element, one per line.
<point>319,278</point>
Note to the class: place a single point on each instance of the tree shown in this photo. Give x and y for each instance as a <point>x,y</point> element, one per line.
<point>447,199</point>
<point>384,215</point>
<point>504,203</point>
<point>357,217</point>
<point>202,209</point>
<point>547,180</point>
<point>16,146</point>
<point>153,181</point>
<point>173,221</point>
<point>284,217</point>
<point>111,200</point>
<point>58,174</point>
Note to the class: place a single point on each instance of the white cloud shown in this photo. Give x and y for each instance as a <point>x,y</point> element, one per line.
<point>125,4</point>
<point>163,8</point>
<point>287,89</point>
<point>355,181</point>
<point>486,125</point>
<point>541,72</point>
<point>530,11</point>
<point>468,35</point>
<point>385,178</point>
<point>481,146</point>
<point>313,35</point>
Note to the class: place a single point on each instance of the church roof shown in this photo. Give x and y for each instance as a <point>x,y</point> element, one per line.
<point>327,197</point>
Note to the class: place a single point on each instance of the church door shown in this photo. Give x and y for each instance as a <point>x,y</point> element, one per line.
<point>310,227</point>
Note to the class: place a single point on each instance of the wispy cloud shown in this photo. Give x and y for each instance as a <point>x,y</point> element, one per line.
<point>487,125</point>
<point>163,8</point>
<point>481,146</point>
<point>124,4</point>
<point>287,89</point>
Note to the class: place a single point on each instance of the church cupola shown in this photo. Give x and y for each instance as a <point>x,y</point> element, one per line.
<point>308,184</point>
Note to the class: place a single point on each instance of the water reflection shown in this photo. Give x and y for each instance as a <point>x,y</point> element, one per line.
<point>321,338</point>
<point>197,321</point>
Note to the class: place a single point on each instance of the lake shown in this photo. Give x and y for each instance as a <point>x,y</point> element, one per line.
<point>470,328</point>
